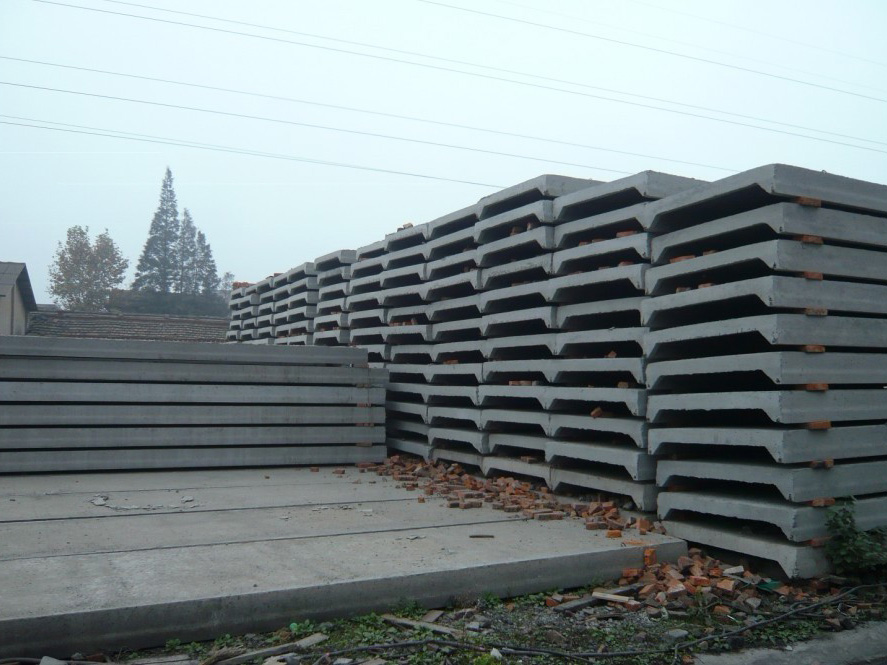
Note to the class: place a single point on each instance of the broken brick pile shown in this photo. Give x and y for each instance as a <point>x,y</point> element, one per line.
<point>532,500</point>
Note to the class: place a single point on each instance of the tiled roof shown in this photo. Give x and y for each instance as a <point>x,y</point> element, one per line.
<point>128,326</point>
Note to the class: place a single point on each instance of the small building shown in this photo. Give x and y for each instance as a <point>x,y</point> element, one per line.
<point>16,298</point>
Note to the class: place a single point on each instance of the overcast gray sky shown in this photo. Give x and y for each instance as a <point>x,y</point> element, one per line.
<point>819,67</point>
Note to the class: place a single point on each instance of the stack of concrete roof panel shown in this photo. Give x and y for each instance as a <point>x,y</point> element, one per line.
<point>562,395</point>
<point>87,405</point>
<point>767,360</point>
<point>293,295</point>
<point>244,306</point>
<point>331,313</point>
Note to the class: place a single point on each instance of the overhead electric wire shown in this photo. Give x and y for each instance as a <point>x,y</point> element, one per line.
<point>768,35</point>
<point>383,114</point>
<point>310,125</point>
<point>681,43</point>
<point>655,49</point>
<point>485,76</point>
<point>129,136</point>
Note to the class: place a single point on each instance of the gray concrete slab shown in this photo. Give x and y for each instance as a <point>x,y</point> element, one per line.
<point>397,371</point>
<point>498,440</point>
<point>444,436</point>
<point>782,255</point>
<point>334,276</point>
<point>607,252</point>
<point>604,284</point>
<point>798,522</point>
<point>294,340</point>
<point>498,419</point>
<point>444,373</point>
<point>495,464</point>
<point>771,330</point>
<point>340,337</point>
<point>408,314</point>
<point>408,256</point>
<point>778,219</point>
<point>298,299</point>
<point>529,269</point>
<point>43,438</point>
<point>450,244</point>
<point>413,274</point>
<point>43,461</point>
<point>563,397</point>
<point>539,240</point>
<point>781,367</point>
<point>773,291</point>
<point>338,320</point>
<point>600,314</point>
<point>454,331</point>
<point>561,425</point>
<point>789,407</point>
<point>797,484</point>
<point>503,323</point>
<point>786,446</point>
<point>448,415</point>
<point>436,394</point>
<point>600,226</point>
<point>411,446</point>
<point>360,301</point>
<point>368,318</point>
<point>619,193</point>
<point>369,251</point>
<point>335,259</point>
<point>643,494</point>
<point>498,226</point>
<point>326,561</point>
<point>50,369</point>
<point>395,407</point>
<point>401,296</point>
<point>297,327</point>
<point>371,335</point>
<point>404,237</point>
<point>639,465</point>
<point>762,186</point>
<point>520,296</point>
<point>461,351</point>
<point>410,353</point>
<point>462,284</point>
<point>120,415</point>
<point>466,307</point>
<point>50,347</point>
<point>459,456</point>
<point>542,187</point>
<point>451,223</point>
<point>450,265</point>
<point>576,341</point>
<point>335,291</point>
<point>498,348</point>
<point>411,334</point>
<point>560,370</point>
<point>795,560</point>
<point>417,429</point>
<point>325,306</point>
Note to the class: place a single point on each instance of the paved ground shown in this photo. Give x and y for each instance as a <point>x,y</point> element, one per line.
<point>100,561</point>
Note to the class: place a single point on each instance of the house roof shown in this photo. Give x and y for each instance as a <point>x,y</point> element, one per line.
<point>146,327</point>
<point>12,274</point>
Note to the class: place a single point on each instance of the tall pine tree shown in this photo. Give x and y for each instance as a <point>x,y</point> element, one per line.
<point>188,281</point>
<point>157,269</point>
<point>207,272</point>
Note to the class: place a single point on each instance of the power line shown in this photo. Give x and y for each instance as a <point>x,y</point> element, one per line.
<point>309,125</point>
<point>129,136</point>
<point>683,43</point>
<point>762,33</point>
<point>487,76</point>
<point>654,49</point>
<point>367,111</point>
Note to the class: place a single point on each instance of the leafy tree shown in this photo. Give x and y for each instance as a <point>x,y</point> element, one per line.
<point>188,280</point>
<point>83,273</point>
<point>207,272</point>
<point>158,265</point>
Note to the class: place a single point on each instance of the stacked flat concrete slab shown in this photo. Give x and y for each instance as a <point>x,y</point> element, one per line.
<point>85,405</point>
<point>331,316</point>
<point>767,360</point>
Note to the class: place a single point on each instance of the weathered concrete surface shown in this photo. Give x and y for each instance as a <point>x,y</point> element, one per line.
<point>268,547</point>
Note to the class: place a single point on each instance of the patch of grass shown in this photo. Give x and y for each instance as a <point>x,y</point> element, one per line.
<point>850,550</point>
<point>409,609</point>
<point>302,628</point>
